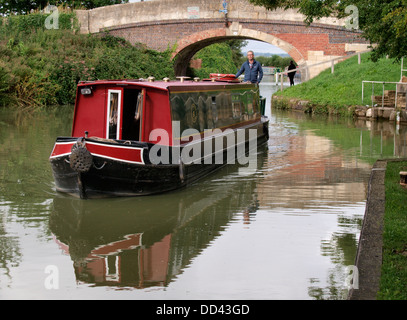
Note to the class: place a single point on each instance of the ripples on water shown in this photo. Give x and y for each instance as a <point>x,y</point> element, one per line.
<point>286,231</point>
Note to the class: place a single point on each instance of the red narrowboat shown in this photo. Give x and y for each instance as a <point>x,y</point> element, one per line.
<point>141,137</point>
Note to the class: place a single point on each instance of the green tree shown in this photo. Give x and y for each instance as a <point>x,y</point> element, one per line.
<point>275,61</point>
<point>216,58</point>
<point>8,7</point>
<point>236,46</point>
<point>382,22</point>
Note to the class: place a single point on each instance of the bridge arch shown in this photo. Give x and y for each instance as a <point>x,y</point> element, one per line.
<point>188,46</point>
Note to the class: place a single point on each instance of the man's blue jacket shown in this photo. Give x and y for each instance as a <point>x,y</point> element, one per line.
<point>253,74</point>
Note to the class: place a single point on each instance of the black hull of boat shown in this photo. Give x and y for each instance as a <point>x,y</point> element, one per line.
<point>114,179</point>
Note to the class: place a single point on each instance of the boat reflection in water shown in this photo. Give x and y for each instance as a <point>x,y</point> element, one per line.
<point>147,241</point>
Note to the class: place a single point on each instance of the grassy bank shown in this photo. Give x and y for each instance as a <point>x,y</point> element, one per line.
<point>334,93</point>
<point>40,67</point>
<point>393,284</point>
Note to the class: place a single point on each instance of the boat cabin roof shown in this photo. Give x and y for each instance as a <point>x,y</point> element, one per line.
<point>171,85</point>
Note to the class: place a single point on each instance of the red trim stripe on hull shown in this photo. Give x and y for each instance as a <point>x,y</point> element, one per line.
<point>119,153</point>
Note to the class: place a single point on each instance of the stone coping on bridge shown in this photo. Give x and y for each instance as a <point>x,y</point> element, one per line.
<point>314,25</point>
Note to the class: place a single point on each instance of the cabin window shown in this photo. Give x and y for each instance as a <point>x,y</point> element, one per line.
<point>132,110</point>
<point>113,114</point>
<point>209,114</point>
<point>250,108</point>
<point>214,109</point>
<point>202,114</point>
<point>236,107</point>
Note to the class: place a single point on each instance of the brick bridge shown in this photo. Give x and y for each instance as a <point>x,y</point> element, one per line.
<point>190,25</point>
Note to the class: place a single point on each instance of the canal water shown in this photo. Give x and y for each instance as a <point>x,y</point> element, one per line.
<point>287,230</point>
